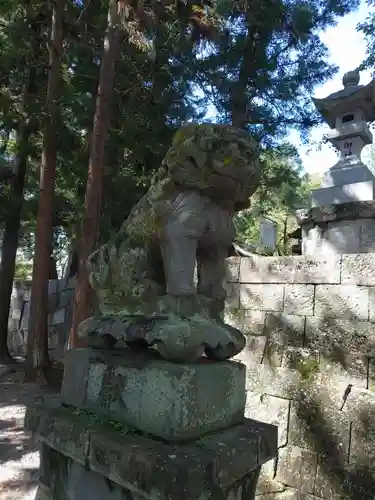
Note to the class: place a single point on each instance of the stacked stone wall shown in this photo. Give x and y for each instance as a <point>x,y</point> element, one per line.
<point>310,357</point>
<point>60,309</point>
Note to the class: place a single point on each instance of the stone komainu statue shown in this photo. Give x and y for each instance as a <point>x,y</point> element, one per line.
<point>147,269</point>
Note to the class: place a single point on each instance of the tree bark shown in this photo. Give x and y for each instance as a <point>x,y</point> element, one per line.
<point>52,269</point>
<point>13,216</point>
<point>37,343</point>
<point>240,105</point>
<point>71,270</point>
<point>94,187</point>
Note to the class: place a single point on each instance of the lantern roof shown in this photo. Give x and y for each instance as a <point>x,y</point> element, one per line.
<point>352,97</point>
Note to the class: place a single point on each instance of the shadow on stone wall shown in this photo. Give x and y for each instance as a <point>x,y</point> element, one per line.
<point>310,370</point>
<point>336,476</point>
<point>310,352</point>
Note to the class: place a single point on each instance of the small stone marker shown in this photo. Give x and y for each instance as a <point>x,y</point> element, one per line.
<point>268,233</point>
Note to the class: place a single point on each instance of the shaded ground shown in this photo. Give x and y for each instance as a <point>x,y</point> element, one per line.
<point>19,456</point>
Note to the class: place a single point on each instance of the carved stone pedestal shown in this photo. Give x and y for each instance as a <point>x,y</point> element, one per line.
<point>134,427</point>
<point>171,401</point>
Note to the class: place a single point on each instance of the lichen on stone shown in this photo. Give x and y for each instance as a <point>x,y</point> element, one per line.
<point>97,420</point>
<point>308,367</point>
<point>209,173</point>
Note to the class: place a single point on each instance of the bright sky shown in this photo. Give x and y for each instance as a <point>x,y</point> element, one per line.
<point>347,50</point>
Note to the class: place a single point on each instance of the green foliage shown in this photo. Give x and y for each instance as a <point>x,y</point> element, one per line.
<point>24,271</point>
<point>111,424</point>
<point>262,68</point>
<point>284,189</point>
<point>263,56</point>
<point>368,30</point>
<point>308,368</point>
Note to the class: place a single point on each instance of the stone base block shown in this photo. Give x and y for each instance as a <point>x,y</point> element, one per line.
<point>83,458</point>
<point>347,175</point>
<point>335,195</point>
<point>332,230</point>
<point>171,401</point>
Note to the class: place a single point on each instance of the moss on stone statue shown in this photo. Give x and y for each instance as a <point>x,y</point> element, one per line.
<point>113,424</point>
<point>308,368</point>
<point>219,161</point>
<point>209,172</point>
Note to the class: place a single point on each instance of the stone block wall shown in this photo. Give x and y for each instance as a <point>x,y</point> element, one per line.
<point>310,357</point>
<point>60,308</point>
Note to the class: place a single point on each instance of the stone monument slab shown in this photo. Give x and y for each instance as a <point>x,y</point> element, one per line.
<point>172,401</point>
<point>343,193</point>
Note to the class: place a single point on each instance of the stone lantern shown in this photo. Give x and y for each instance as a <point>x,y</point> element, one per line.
<point>342,217</point>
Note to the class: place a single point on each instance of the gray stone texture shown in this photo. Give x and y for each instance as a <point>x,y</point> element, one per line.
<point>358,191</point>
<point>233,269</point>
<point>338,480</point>
<point>358,269</point>
<point>294,356</point>
<point>342,237</point>
<point>172,401</point>
<point>311,369</point>
<point>367,237</point>
<point>267,484</point>
<point>371,374</point>
<point>83,456</point>
<point>282,330</point>
<point>341,337</point>
<point>271,410</point>
<point>299,299</point>
<point>342,301</point>
<point>279,382</point>
<point>297,468</point>
<point>253,322</point>
<point>263,297</point>
<point>60,308</point>
<point>233,296</point>
<point>254,350</point>
<point>347,175</point>
<point>345,369</point>
<point>288,270</point>
<point>345,228</point>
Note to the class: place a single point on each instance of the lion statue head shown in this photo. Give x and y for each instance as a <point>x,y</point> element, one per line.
<point>221,161</point>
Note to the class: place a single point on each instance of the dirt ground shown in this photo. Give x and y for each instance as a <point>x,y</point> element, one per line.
<point>19,457</point>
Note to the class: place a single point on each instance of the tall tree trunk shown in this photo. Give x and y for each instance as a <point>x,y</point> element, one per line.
<point>240,100</point>
<point>71,270</point>
<point>13,217</point>
<point>239,97</point>
<point>94,187</point>
<point>53,275</point>
<point>37,344</point>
